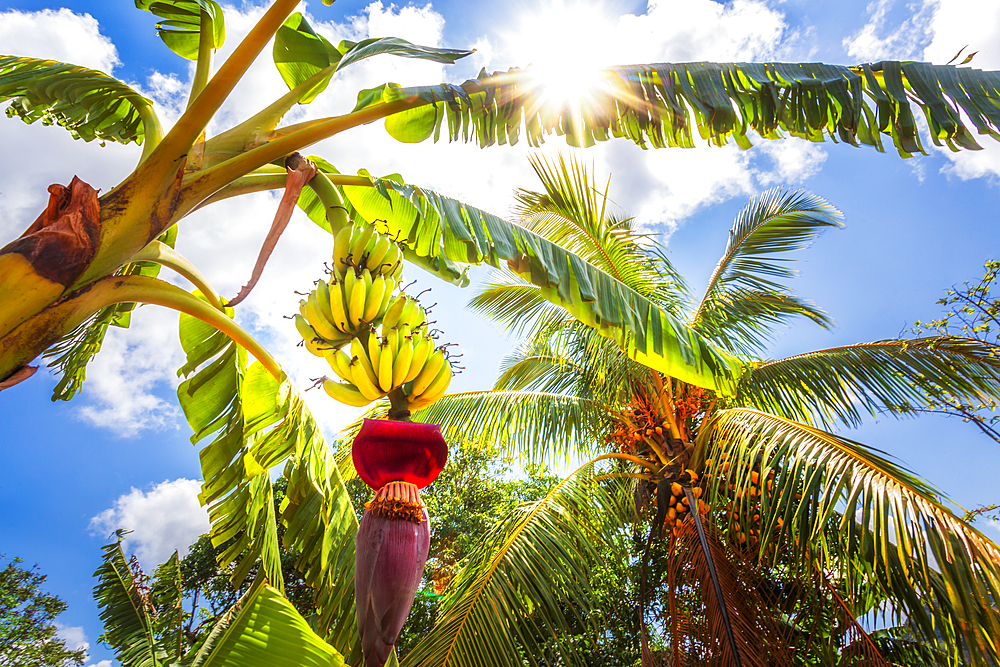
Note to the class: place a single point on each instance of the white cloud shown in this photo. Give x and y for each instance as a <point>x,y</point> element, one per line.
<point>165,518</point>
<point>134,364</point>
<point>795,160</point>
<point>57,34</point>
<point>879,41</point>
<point>102,663</point>
<point>73,636</point>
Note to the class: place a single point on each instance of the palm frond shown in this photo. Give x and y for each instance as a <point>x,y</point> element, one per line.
<point>839,385</point>
<point>515,304</point>
<point>168,598</point>
<point>574,214</point>
<point>88,103</point>
<point>125,613</point>
<point>662,104</point>
<point>526,588</point>
<point>835,496</point>
<point>443,230</point>
<point>535,426</point>
<point>745,320</point>
<point>769,225</point>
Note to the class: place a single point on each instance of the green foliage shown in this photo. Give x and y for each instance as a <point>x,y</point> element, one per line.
<point>183,21</point>
<point>88,103</point>
<point>446,231</point>
<point>301,54</point>
<point>27,621</point>
<point>971,311</point>
<point>664,103</point>
<point>75,350</point>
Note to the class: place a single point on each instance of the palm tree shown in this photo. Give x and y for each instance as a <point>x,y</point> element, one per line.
<point>776,534</point>
<point>89,258</point>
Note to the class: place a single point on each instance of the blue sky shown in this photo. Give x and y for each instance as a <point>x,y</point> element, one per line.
<point>119,455</point>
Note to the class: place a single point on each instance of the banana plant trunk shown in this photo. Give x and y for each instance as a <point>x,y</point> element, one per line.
<point>395,459</point>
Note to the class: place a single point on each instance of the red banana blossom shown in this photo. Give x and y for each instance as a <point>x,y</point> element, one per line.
<point>396,459</point>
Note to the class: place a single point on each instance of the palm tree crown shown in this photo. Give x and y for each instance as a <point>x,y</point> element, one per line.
<point>775,533</point>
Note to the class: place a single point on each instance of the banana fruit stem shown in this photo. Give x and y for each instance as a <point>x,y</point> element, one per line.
<point>164,255</point>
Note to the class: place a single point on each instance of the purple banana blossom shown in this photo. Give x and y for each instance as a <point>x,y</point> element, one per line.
<point>397,458</point>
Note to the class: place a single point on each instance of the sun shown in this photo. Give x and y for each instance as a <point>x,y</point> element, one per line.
<point>565,46</point>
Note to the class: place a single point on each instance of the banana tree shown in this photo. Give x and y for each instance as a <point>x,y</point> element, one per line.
<point>779,536</point>
<point>88,259</point>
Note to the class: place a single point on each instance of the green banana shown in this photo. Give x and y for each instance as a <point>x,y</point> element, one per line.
<point>378,253</point>
<point>310,309</point>
<point>359,244</point>
<point>394,311</point>
<point>345,393</point>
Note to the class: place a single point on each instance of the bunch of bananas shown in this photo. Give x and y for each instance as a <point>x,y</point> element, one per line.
<point>367,268</point>
<point>390,346</point>
<point>361,248</point>
<point>400,354</point>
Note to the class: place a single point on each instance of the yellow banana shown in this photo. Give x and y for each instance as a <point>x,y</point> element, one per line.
<point>401,364</point>
<point>345,393</point>
<point>392,338</point>
<point>323,301</point>
<point>340,363</point>
<point>341,246</point>
<point>428,372</point>
<point>394,311</point>
<point>338,306</point>
<point>310,338</point>
<point>422,347</point>
<point>413,314</point>
<point>362,373</point>
<point>359,243</point>
<point>374,299</point>
<point>390,286</point>
<point>317,321</point>
<point>356,310</point>
<point>438,386</point>
<point>374,351</point>
<point>350,280</point>
<point>385,367</point>
<point>378,254</point>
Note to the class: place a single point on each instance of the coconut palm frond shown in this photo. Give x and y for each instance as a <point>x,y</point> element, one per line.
<point>515,304</point>
<point>770,225</point>
<point>524,596</point>
<point>839,385</point>
<point>574,213</point>
<point>745,320</point>
<point>535,426</point>
<point>572,359</point>
<point>829,495</point>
